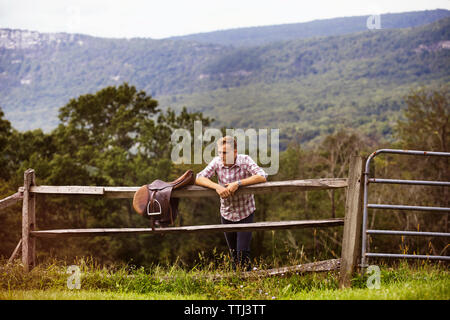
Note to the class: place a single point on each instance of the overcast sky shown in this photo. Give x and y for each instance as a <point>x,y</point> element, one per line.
<point>165,18</point>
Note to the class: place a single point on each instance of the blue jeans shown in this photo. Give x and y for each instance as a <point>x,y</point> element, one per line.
<point>239,241</point>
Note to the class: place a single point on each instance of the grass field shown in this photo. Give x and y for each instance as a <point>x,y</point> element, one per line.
<point>403,281</point>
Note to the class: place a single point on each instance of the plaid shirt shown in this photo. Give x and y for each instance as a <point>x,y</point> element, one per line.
<point>236,207</point>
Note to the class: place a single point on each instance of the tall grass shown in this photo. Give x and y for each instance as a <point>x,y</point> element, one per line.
<point>421,280</point>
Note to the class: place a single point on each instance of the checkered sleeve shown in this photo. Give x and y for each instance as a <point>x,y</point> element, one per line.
<point>253,168</point>
<point>209,170</point>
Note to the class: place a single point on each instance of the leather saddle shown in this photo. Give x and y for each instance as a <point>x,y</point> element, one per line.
<point>154,200</point>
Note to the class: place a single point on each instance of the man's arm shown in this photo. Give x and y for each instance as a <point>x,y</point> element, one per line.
<point>233,186</point>
<point>258,175</point>
<point>252,180</point>
<point>206,182</point>
<point>203,179</point>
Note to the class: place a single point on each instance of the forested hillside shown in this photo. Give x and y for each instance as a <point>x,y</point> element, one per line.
<point>306,87</point>
<point>310,88</point>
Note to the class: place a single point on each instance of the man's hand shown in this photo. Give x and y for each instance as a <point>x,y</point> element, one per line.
<point>223,192</point>
<point>233,186</point>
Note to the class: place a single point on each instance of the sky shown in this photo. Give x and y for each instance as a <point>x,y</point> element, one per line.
<point>166,18</point>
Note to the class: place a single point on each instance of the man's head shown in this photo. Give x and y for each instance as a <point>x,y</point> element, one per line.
<point>227,147</point>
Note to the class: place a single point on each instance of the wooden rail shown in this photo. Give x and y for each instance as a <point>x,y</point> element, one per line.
<point>351,222</point>
<point>13,199</point>
<point>320,266</point>
<point>196,191</point>
<point>257,226</point>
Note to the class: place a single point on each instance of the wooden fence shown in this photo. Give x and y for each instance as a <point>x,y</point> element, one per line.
<point>351,222</point>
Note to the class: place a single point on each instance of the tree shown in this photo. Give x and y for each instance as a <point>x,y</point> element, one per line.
<point>101,129</point>
<point>426,126</point>
<point>336,151</point>
<point>5,134</point>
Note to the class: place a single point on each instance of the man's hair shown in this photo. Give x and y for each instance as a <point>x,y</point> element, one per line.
<point>229,140</point>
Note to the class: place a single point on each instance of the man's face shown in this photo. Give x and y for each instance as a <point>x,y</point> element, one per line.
<point>228,154</point>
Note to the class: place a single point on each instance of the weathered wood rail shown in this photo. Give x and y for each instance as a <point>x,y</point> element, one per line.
<point>13,199</point>
<point>195,191</point>
<point>257,226</point>
<point>352,221</point>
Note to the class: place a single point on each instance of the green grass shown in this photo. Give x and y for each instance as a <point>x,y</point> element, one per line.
<point>65,294</point>
<point>419,281</point>
<point>407,290</point>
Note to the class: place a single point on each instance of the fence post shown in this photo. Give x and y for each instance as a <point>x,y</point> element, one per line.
<point>352,221</point>
<point>28,221</point>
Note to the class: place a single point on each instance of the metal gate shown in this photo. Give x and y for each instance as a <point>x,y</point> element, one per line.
<point>365,255</point>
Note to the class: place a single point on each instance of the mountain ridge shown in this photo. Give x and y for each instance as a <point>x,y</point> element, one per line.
<point>389,21</point>
<point>257,35</point>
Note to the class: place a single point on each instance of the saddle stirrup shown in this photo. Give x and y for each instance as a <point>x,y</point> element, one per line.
<point>150,203</point>
<point>156,213</point>
<point>152,214</point>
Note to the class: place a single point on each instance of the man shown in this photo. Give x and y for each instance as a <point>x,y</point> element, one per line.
<point>233,170</point>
